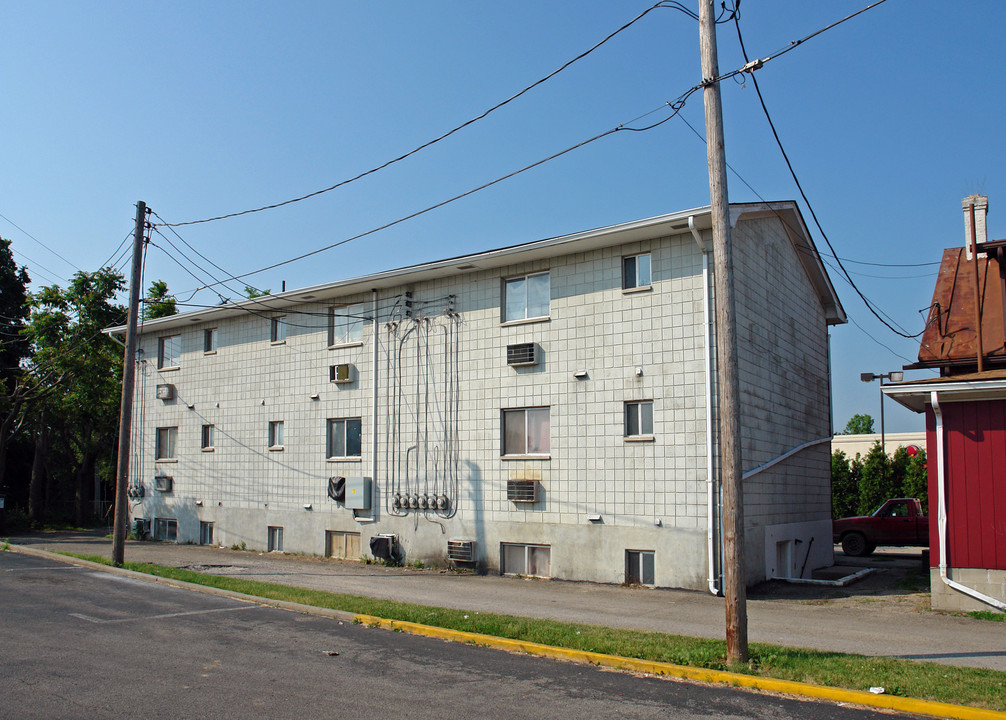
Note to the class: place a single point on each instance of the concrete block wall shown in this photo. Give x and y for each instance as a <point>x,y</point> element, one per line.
<point>649,495</point>
<point>785,394</point>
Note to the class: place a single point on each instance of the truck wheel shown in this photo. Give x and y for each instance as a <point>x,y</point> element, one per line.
<point>855,545</point>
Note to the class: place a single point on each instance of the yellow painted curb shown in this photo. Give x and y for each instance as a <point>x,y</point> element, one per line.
<point>789,687</point>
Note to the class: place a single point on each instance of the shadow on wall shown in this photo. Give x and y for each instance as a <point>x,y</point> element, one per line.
<point>474,494</point>
<point>182,511</point>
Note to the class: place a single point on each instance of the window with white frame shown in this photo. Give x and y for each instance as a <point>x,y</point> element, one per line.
<point>639,567</point>
<point>276,435</point>
<point>639,419</point>
<point>165,529</point>
<point>277,329</point>
<point>275,539</point>
<point>344,438</point>
<point>345,324</point>
<point>164,443</point>
<point>532,560</point>
<point>339,544</point>
<point>526,297</point>
<point>206,439</point>
<point>169,350</point>
<point>526,431</point>
<point>210,340</point>
<point>636,271</point>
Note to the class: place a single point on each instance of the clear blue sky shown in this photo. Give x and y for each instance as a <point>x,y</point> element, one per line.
<point>207,108</point>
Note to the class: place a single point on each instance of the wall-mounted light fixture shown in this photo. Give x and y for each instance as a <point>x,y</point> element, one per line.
<point>315,396</point>
<point>580,374</point>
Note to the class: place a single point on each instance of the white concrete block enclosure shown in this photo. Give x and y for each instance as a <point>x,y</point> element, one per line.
<point>544,409</point>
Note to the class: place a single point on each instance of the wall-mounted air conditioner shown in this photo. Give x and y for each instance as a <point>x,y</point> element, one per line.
<point>345,373</point>
<point>522,490</point>
<point>163,483</point>
<point>461,551</point>
<point>166,392</point>
<point>521,354</point>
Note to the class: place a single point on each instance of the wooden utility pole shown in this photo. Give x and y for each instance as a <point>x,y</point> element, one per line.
<point>128,377</point>
<point>734,589</point>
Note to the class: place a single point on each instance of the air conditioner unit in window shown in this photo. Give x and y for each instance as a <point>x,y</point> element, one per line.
<point>342,373</point>
<point>165,392</point>
<point>461,551</point>
<point>163,483</point>
<point>522,490</point>
<point>521,354</point>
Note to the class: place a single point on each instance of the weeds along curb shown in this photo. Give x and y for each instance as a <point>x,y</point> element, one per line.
<point>739,680</point>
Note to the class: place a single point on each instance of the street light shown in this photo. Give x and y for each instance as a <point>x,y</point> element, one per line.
<point>893,376</point>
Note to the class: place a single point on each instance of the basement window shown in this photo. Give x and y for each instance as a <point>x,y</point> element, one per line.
<point>639,567</point>
<point>531,560</point>
<point>165,529</point>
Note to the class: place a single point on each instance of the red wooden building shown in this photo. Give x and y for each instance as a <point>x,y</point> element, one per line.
<point>965,411</point>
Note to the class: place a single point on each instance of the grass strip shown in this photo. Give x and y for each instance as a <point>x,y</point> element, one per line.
<point>922,680</point>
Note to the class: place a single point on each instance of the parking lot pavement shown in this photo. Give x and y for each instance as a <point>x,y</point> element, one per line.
<point>880,615</point>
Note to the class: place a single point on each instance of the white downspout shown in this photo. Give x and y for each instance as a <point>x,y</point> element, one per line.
<point>710,495</point>
<point>941,481</point>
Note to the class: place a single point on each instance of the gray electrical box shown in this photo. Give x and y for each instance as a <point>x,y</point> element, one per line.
<point>358,493</point>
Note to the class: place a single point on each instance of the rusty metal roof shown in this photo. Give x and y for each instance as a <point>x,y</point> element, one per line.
<point>949,341</point>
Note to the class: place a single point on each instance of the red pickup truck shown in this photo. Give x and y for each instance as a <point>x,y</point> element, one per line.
<point>897,522</point>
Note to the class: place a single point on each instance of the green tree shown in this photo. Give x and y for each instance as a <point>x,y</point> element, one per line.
<point>159,302</point>
<point>858,425</point>
<point>878,482</point>
<point>79,423</point>
<point>253,292</point>
<point>844,486</point>
<point>14,348</point>
<point>916,481</point>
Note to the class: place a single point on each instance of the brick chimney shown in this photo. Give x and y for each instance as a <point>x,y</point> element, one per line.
<point>981,205</point>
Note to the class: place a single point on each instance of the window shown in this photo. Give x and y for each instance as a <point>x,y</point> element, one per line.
<point>205,533</point>
<point>164,443</point>
<point>168,351</point>
<point>275,539</point>
<point>210,340</point>
<point>206,441</point>
<point>342,544</point>
<point>165,529</point>
<point>526,431</point>
<point>639,419</point>
<point>345,325</point>
<point>533,560</point>
<point>345,438</point>
<point>639,567</point>
<point>277,329</point>
<point>276,435</point>
<point>526,297</point>
<point>636,271</point>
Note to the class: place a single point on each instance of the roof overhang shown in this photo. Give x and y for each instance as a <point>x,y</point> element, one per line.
<point>917,394</point>
<point>613,235</point>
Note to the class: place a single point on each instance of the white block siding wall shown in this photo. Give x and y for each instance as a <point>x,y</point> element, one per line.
<point>785,401</point>
<point>650,495</point>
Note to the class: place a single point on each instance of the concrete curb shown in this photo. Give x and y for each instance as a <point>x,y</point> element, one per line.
<point>788,687</point>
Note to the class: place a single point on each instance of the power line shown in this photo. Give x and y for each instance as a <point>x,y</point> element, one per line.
<point>39,242</point>
<point>437,139</point>
<point>869,306</point>
<point>37,266</point>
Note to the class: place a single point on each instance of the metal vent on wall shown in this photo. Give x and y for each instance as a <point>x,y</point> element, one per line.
<point>163,483</point>
<point>522,490</point>
<point>166,392</point>
<point>461,550</point>
<point>521,354</point>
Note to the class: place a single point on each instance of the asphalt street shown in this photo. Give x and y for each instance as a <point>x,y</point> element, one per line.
<point>79,643</point>
<point>872,617</point>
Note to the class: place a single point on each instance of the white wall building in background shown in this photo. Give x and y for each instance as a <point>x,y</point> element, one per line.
<point>549,406</point>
